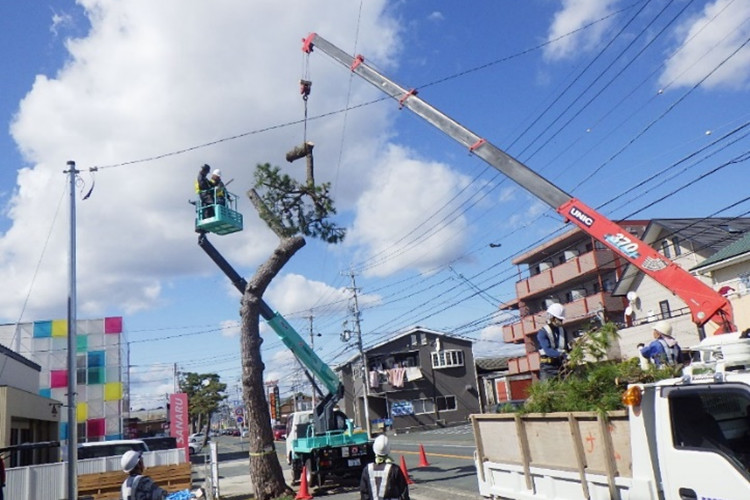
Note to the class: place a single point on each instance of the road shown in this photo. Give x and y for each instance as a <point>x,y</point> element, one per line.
<point>449,475</point>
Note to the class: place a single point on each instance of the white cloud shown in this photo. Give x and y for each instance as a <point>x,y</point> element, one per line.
<point>293,293</point>
<point>573,15</point>
<point>139,85</point>
<point>707,39</point>
<point>230,328</point>
<point>404,190</point>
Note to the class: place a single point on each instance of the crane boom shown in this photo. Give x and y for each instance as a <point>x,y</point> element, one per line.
<point>291,339</point>
<point>704,302</point>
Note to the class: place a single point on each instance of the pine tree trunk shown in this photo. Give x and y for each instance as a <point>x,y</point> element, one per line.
<point>266,473</point>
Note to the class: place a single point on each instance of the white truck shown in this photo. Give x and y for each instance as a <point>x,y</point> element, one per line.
<point>686,438</point>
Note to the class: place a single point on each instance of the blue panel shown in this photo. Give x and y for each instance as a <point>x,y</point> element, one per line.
<point>96,359</point>
<point>63,431</point>
<point>42,329</point>
<point>113,437</point>
<point>45,393</point>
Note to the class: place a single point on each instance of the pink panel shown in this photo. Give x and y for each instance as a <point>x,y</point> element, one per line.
<point>58,378</point>
<point>113,325</point>
<point>95,427</point>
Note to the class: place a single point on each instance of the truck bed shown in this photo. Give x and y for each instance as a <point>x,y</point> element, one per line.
<point>556,455</point>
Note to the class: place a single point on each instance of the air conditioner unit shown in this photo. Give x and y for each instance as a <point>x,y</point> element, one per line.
<point>578,293</point>
<point>570,254</point>
<point>543,266</point>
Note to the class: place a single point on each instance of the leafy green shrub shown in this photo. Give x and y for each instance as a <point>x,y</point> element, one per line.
<point>590,382</point>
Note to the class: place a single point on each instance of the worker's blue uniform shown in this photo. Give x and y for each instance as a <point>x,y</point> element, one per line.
<point>553,345</point>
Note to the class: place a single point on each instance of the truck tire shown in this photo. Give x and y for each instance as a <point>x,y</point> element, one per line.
<point>314,478</point>
<point>296,471</point>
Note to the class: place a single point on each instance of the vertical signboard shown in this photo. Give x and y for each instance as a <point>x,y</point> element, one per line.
<point>277,403</point>
<point>178,418</point>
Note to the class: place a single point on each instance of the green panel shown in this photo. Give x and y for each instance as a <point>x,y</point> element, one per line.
<point>96,375</point>
<point>82,343</point>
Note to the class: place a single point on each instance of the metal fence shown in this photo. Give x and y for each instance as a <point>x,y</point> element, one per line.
<point>49,481</point>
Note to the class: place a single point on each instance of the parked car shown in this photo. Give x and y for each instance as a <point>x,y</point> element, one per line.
<point>279,432</point>
<point>198,437</point>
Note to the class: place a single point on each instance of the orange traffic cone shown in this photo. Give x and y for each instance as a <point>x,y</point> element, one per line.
<point>406,472</point>
<point>303,493</point>
<point>422,457</point>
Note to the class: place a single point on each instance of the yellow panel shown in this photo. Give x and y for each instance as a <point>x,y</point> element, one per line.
<point>82,412</point>
<point>59,327</point>
<point>112,391</point>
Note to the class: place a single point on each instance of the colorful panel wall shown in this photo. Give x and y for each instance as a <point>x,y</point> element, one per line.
<point>101,372</point>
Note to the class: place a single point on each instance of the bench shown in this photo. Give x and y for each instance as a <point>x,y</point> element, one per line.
<point>106,485</point>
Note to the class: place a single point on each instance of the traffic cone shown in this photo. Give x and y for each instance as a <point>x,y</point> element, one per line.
<point>303,493</point>
<point>422,457</point>
<point>405,472</point>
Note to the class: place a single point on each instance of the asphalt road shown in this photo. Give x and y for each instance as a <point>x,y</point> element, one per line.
<point>449,474</point>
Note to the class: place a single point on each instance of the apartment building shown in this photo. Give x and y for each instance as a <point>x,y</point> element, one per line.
<point>573,269</point>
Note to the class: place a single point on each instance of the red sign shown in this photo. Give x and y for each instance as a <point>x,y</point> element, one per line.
<point>178,418</point>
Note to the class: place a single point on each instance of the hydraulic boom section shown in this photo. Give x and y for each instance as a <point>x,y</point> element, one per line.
<point>704,302</point>
<point>324,420</point>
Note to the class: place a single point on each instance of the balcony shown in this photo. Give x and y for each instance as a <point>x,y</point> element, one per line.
<point>574,268</point>
<point>574,311</point>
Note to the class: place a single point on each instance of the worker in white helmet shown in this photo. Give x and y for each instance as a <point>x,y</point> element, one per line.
<point>138,486</point>
<point>664,349</point>
<point>219,189</point>
<point>553,343</point>
<point>383,480</point>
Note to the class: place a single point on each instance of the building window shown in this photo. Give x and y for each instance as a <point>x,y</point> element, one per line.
<point>413,339</point>
<point>448,358</point>
<point>665,249</point>
<point>589,247</point>
<point>664,308</point>
<point>423,336</point>
<point>422,406</point>
<point>676,245</point>
<point>446,403</point>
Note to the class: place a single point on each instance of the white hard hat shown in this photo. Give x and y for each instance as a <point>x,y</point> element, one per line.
<point>663,327</point>
<point>129,460</point>
<point>557,310</point>
<point>381,446</point>
<point>216,172</point>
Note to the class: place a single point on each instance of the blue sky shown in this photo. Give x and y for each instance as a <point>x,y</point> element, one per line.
<point>637,107</point>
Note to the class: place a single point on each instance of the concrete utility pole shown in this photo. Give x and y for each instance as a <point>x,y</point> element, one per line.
<point>72,418</point>
<point>365,379</point>
<point>312,347</point>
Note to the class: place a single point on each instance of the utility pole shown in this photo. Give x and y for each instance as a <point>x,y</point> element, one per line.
<point>312,347</point>
<point>72,419</point>
<point>365,381</point>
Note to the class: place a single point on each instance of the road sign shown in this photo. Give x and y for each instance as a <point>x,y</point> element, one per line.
<point>238,411</point>
<point>239,420</point>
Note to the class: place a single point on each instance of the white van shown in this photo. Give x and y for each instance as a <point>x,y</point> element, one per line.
<point>97,449</point>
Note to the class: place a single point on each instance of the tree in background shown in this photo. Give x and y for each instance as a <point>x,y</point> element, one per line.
<point>291,210</point>
<point>205,393</point>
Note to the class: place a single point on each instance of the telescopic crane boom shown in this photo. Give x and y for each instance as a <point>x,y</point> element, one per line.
<point>704,302</point>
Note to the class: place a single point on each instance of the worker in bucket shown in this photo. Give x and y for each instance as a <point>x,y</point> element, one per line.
<point>383,480</point>
<point>664,349</point>
<point>553,343</point>
<point>204,190</point>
